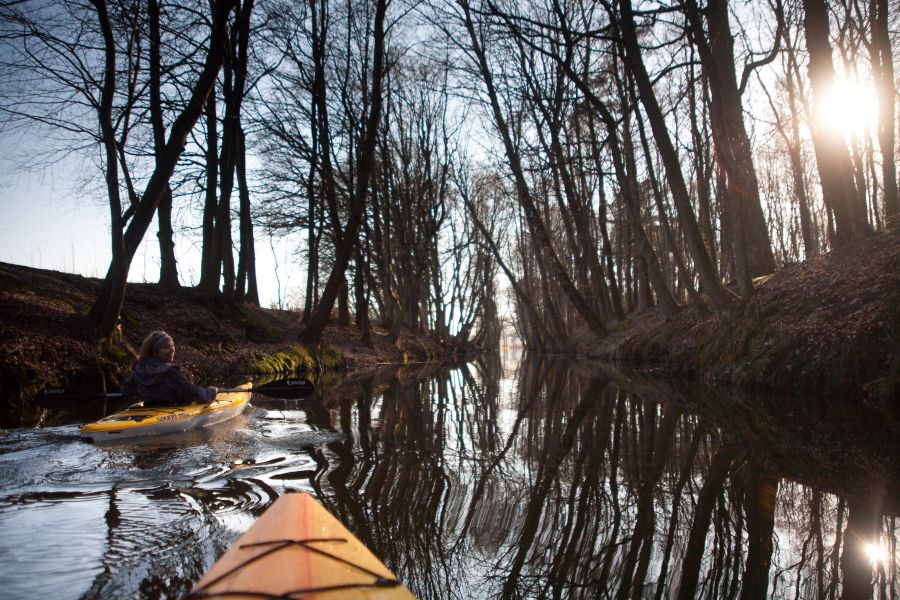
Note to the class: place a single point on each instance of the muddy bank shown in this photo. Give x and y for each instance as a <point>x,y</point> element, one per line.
<point>829,326</point>
<point>46,341</point>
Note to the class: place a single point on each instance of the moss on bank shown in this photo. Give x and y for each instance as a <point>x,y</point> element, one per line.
<point>296,359</point>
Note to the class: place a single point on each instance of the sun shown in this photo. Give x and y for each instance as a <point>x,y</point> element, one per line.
<point>849,108</point>
<point>876,553</point>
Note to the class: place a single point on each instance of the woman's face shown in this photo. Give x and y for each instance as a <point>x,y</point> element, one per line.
<point>167,352</point>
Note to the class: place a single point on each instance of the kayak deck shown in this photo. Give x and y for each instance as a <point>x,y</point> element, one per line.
<point>138,420</point>
<point>298,549</point>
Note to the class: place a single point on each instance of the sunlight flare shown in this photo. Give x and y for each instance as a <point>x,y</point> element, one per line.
<point>849,108</point>
<point>876,553</point>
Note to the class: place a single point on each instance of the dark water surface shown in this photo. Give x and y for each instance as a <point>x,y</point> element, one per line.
<point>531,479</point>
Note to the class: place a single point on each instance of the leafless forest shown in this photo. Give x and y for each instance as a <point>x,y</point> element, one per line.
<point>595,157</point>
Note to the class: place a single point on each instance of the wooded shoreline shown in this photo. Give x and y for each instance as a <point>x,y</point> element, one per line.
<point>48,340</point>
<point>825,326</point>
<point>630,168</point>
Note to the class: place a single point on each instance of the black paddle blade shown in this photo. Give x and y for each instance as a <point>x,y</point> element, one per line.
<point>292,388</point>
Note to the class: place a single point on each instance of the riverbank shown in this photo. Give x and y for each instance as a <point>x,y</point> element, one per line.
<point>46,341</point>
<point>827,326</point>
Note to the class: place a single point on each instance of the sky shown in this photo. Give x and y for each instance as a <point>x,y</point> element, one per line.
<point>45,222</point>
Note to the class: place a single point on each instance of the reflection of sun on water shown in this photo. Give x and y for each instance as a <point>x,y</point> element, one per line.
<point>850,107</point>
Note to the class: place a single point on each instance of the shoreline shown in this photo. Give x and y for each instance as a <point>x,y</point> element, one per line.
<point>827,326</point>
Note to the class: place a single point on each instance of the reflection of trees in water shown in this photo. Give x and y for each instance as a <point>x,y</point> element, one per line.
<point>587,490</point>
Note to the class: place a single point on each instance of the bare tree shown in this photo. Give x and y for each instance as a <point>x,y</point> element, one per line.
<point>715,46</point>
<point>107,307</point>
<point>882,58</point>
<point>719,296</point>
<point>839,189</point>
<point>57,45</point>
<point>536,223</point>
<point>346,245</point>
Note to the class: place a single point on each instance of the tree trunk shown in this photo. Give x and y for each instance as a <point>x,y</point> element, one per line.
<point>232,91</point>
<point>108,304</point>
<point>313,331</point>
<point>235,81</point>
<point>247,257</point>
<point>702,162</point>
<point>753,250</point>
<point>839,190</point>
<point>209,259</point>
<point>312,192</point>
<point>105,312</point>
<point>343,302</point>
<point>883,71</point>
<point>721,299</point>
<point>810,247</point>
<point>168,266</point>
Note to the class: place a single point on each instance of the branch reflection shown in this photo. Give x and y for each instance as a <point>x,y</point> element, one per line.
<point>572,482</point>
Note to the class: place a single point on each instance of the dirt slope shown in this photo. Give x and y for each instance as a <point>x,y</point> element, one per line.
<point>46,341</point>
<point>829,325</point>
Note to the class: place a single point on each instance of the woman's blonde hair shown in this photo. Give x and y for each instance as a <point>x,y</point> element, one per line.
<point>153,343</point>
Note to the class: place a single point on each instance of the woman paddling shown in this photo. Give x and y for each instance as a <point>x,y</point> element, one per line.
<point>157,380</point>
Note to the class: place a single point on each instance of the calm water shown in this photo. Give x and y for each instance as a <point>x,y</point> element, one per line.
<point>519,479</point>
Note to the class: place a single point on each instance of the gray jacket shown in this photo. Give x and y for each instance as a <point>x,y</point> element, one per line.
<point>157,382</point>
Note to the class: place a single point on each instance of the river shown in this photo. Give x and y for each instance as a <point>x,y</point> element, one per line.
<point>503,478</point>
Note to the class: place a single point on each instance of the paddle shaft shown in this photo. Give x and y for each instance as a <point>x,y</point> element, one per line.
<point>291,389</point>
<point>263,392</point>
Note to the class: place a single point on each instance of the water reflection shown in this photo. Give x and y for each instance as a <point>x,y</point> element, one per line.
<point>580,483</point>
<point>540,479</point>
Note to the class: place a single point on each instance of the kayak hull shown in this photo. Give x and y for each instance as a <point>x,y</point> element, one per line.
<point>298,549</point>
<point>138,421</point>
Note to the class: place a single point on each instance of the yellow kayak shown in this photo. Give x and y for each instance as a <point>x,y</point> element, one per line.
<point>137,420</point>
<point>298,549</point>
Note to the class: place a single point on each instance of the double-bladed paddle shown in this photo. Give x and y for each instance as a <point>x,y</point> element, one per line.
<point>291,388</point>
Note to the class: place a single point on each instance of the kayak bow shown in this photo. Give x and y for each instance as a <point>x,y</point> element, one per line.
<point>298,549</point>
<point>137,420</point>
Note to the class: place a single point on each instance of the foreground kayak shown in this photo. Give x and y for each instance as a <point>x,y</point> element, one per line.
<point>298,549</point>
<point>136,420</point>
